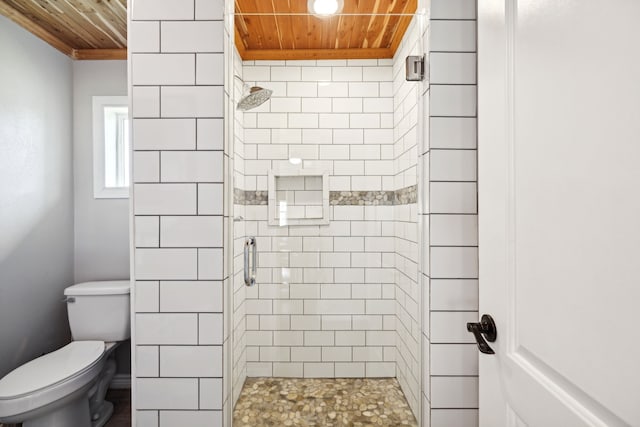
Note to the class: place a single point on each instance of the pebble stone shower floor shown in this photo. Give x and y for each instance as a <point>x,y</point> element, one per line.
<point>322,402</point>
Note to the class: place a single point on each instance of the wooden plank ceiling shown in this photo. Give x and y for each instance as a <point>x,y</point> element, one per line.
<point>82,29</point>
<point>283,29</point>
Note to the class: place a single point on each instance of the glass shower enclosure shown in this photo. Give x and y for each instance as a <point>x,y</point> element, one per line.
<point>325,229</point>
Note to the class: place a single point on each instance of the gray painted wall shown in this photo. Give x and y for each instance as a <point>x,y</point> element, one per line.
<point>46,175</point>
<point>36,196</point>
<point>101,225</point>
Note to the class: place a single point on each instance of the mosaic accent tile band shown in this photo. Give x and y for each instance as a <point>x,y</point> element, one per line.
<point>362,198</point>
<point>404,196</point>
<point>242,197</point>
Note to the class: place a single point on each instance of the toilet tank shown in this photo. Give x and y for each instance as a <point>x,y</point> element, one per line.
<point>99,311</point>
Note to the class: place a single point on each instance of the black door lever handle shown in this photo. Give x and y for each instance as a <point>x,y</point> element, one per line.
<point>486,327</point>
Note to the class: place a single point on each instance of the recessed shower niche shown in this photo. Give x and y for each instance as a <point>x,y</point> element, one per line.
<point>298,198</point>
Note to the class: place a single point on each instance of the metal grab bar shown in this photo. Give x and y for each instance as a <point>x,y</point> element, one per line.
<point>250,271</point>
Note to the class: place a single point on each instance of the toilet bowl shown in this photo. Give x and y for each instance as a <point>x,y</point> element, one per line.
<point>67,388</point>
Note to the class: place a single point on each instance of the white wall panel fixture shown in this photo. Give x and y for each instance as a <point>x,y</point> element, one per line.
<point>176,53</point>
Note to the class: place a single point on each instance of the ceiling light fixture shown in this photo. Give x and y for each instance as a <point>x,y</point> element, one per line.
<point>325,7</point>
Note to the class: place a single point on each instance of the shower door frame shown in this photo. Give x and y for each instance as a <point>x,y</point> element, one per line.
<point>229,184</point>
<point>422,192</point>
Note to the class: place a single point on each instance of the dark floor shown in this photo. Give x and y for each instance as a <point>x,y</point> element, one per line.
<point>121,417</point>
<point>121,400</point>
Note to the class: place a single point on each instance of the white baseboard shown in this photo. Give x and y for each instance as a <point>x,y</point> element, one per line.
<point>121,381</point>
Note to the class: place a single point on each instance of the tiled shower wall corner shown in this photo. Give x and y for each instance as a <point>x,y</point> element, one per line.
<point>177,78</point>
<point>451,358</point>
<point>407,122</point>
<point>239,234</point>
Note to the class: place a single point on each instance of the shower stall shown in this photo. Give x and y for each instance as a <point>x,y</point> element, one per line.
<point>320,243</point>
<point>326,252</point>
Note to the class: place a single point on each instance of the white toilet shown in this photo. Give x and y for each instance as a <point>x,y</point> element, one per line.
<point>67,388</point>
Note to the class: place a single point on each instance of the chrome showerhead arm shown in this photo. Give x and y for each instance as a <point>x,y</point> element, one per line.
<point>245,86</point>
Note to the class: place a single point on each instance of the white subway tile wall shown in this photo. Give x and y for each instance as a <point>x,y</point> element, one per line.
<point>177,78</point>
<point>314,305</point>
<point>321,114</point>
<point>406,109</point>
<point>451,361</point>
<point>315,313</point>
<point>333,301</point>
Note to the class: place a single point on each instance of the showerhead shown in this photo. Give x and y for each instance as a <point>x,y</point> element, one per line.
<point>256,97</point>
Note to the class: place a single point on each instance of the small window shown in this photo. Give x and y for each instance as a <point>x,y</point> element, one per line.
<point>110,147</point>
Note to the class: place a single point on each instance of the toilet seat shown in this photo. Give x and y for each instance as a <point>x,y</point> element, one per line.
<point>51,368</point>
<point>50,378</point>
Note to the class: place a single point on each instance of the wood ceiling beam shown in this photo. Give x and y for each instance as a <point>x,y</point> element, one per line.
<point>34,28</point>
<point>103,54</point>
<point>293,54</point>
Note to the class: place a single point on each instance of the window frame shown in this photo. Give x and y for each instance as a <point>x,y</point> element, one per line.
<point>100,191</point>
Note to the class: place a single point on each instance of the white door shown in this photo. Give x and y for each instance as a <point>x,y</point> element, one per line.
<point>559,204</point>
